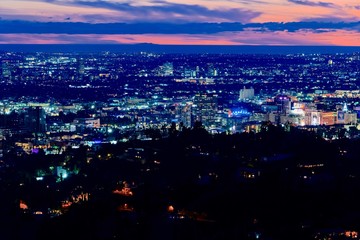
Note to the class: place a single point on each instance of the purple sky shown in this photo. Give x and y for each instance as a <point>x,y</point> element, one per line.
<point>231,22</point>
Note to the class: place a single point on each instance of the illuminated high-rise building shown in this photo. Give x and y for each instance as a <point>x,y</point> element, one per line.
<point>284,104</point>
<point>80,69</point>
<point>35,120</point>
<point>186,114</point>
<point>246,93</point>
<point>205,108</point>
<point>212,72</point>
<point>5,69</point>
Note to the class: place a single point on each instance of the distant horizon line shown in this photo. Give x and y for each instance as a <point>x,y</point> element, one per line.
<point>177,48</point>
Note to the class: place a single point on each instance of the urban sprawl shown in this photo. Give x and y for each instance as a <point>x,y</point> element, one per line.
<point>75,127</point>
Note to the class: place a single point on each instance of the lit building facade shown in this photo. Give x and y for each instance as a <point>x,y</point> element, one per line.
<point>246,93</point>
<point>35,119</point>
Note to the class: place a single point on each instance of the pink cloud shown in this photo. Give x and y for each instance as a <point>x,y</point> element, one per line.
<point>339,37</point>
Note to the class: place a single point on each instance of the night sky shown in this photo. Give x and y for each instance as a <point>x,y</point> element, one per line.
<point>192,22</point>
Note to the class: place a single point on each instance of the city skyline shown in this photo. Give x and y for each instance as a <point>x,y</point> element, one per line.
<point>280,22</point>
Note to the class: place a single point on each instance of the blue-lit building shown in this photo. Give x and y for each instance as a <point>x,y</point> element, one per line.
<point>236,119</point>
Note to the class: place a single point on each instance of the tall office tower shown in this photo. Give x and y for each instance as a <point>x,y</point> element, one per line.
<point>5,69</point>
<point>246,93</point>
<point>197,71</point>
<point>284,104</point>
<point>35,120</point>
<point>186,114</point>
<point>212,72</point>
<point>80,69</point>
<point>205,108</point>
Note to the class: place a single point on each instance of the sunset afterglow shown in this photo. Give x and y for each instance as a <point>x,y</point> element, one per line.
<point>292,22</point>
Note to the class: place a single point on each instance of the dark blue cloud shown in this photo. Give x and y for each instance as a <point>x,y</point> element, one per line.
<point>306,25</point>
<point>170,12</point>
<point>315,4</point>
<point>7,27</point>
<point>174,12</point>
<point>115,28</point>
